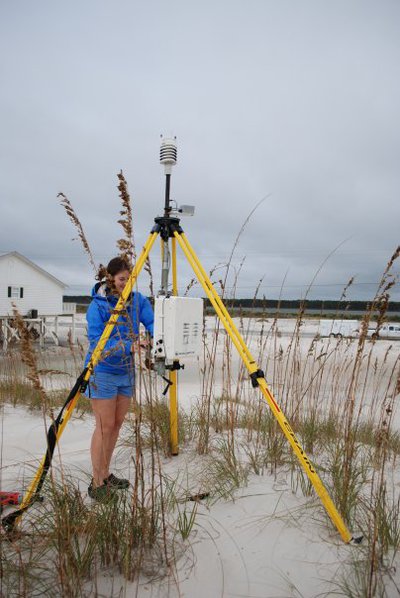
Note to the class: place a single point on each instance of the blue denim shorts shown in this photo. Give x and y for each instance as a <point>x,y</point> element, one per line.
<point>107,386</point>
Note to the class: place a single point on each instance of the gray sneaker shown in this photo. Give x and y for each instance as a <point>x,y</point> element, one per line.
<point>101,493</point>
<point>115,483</point>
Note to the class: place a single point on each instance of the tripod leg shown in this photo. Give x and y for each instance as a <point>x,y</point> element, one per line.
<point>173,376</point>
<point>259,380</point>
<point>41,472</point>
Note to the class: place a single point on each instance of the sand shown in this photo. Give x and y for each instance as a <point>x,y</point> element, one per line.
<point>268,542</point>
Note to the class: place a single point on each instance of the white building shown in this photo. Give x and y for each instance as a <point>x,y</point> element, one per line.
<point>34,291</point>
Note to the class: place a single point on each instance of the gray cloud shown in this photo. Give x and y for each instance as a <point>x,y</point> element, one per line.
<point>296,100</point>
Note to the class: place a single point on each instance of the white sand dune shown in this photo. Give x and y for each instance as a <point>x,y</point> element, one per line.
<point>268,542</point>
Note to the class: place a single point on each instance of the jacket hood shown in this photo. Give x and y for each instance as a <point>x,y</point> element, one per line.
<point>101,292</point>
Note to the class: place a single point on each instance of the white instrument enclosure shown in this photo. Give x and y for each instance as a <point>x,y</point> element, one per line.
<point>178,325</point>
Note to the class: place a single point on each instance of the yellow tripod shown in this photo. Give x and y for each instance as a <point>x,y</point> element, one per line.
<point>168,227</point>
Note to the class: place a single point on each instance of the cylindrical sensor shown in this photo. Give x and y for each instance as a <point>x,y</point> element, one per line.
<point>168,154</point>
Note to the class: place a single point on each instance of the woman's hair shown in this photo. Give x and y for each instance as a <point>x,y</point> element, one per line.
<point>114,266</point>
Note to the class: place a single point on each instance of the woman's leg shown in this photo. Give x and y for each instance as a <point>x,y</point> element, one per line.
<point>110,415</point>
<point>103,437</point>
<point>121,409</point>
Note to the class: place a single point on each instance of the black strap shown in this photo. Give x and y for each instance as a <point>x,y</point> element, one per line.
<point>254,376</point>
<point>80,386</point>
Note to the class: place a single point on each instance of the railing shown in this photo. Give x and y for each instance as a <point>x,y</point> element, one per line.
<point>69,308</point>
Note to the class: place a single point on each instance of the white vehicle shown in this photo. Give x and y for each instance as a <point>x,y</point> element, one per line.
<point>339,328</point>
<point>386,331</point>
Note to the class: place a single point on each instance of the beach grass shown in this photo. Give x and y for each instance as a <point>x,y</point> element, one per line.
<point>338,394</point>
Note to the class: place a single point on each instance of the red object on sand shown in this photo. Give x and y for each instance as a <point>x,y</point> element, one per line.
<point>10,498</point>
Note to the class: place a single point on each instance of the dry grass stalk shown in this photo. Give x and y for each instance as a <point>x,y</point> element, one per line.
<point>379,305</point>
<point>236,242</point>
<point>147,268</point>
<point>126,246</point>
<point>28,355</point>
<point>76,222</point>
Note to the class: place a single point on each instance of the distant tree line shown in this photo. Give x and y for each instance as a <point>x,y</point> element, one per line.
<point>266,304</point>
<point>308,304</point>
<point>79,299</point>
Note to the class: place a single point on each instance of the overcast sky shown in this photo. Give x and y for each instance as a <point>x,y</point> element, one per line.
<point>296,101</point>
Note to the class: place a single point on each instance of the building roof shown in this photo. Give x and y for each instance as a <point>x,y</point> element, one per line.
<point>33,265</point>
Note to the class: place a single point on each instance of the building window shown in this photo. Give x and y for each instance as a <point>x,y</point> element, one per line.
<point>16,292</point>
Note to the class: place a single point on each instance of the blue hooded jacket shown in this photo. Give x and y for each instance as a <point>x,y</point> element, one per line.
<point>116,357</point>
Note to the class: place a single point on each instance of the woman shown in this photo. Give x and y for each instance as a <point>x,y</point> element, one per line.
<point>111,385</point>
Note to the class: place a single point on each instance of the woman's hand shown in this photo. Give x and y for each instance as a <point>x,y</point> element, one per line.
<point>142,344</point>
<point>142,347</point>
